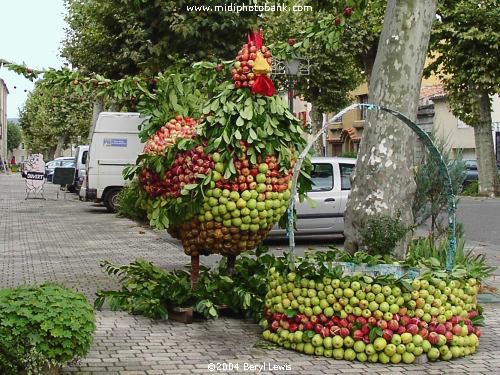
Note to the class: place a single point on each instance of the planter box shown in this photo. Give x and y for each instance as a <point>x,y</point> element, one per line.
<point>181,314</point>
<point>378,270</point>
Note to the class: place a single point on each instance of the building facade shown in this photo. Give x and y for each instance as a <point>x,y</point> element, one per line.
<point>3,121</point>
<point>434,116</point>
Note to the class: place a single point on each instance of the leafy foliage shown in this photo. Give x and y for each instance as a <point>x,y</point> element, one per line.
<point>130,37</point>
<point>52,114</point>
<point>382,233</point>
<point>429,256</point>
<point>472,189</point>
<point>130,204</point>
<point>18,355</point>
<point>333,69</point>
<point>43,325</point>
<point>14,136</point>
<point>150,290</point>
<point>227,118</point>
<point>464,47</point>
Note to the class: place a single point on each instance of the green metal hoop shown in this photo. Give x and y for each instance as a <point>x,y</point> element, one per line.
<point>434,152</point>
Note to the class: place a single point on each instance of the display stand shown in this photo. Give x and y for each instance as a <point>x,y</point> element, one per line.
<point>35,176</point>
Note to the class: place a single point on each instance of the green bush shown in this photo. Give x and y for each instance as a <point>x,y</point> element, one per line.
<point>472,189</point>
<point>41,326</point>
<point>348,154</point>
<point>431,195</point>
<point>382,233</point>
<point>129,203</point>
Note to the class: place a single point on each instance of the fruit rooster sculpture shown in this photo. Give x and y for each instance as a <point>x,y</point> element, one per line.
<point>225,191</point>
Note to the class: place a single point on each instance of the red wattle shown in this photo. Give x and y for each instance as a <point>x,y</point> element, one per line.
<point>264,86</point>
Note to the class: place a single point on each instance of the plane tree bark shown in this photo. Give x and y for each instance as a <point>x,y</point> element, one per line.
<point>383,182</point>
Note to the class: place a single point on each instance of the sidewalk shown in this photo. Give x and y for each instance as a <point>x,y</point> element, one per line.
<point>64,240</point>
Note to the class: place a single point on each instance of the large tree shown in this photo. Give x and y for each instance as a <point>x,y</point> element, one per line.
<point>53,118</point>
<point>129,37</point>
<point>465,48</point>
<point>383,183</point>
<point>340,56</point>
<point>14,136</point>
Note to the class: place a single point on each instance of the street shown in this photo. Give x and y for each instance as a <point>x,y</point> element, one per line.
<point>64,240</point>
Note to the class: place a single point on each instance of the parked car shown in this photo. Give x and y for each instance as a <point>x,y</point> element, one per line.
<point>81,154</point>
<point>471,171</point>
<point>331,189</point>
<point>65,161</point>
<point>115,144</point>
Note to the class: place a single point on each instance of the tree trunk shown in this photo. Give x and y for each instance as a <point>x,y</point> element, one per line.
<point>317,123</point>
<point>383,183</point>
<point>60,146</point>
<point>485,153</point>
<point>97,108</point>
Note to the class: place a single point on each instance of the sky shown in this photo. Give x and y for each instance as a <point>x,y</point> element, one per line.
<point>31,32</point>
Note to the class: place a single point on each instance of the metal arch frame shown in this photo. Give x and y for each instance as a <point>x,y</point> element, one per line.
<point>435,154</point>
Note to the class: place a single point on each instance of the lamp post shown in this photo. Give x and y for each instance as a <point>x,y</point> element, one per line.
<point>292,70</point>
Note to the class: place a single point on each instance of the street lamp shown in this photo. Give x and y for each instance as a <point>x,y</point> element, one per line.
<point>292,70</point>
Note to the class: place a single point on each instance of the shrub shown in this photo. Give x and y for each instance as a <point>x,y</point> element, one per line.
<point>348,154</point>
<point>41,326</point>
<point>431,196</point>
<point>472,189</point>
<point>382,233</point>
<point>129,203</point>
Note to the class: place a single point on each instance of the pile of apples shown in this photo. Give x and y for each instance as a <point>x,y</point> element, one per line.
<point>165,137</point>
<point>353,319</point>
<point>242,72</point>
<point>236,213</point>
<point>183,172</point>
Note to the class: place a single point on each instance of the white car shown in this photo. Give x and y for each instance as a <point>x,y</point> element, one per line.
<point>331,189</point>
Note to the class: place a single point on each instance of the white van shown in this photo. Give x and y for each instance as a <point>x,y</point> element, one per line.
<point>330,191</point>
<point>115,144</point>
<point>81,154</point>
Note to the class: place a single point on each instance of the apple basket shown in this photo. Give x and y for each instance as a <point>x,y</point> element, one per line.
<point>373,318</point>
<point>220,183</point>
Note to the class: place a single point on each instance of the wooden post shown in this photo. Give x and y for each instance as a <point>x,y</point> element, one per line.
<point>231,260</point>
<point>195,270</point>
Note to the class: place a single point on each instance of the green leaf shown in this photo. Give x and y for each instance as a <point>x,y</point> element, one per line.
<point>232,168</point>
<point>252,134</point>
<point>247,113</point>
<point>290,313</point>
<point>374,333</point>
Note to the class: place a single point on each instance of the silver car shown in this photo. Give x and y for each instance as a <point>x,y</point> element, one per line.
<point>331,189</point>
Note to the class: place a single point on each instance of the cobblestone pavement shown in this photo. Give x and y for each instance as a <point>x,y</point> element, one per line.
<point>64,240</point>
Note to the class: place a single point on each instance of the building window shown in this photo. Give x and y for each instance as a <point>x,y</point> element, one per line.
<point>363,112</point>
<point>22,146</point>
